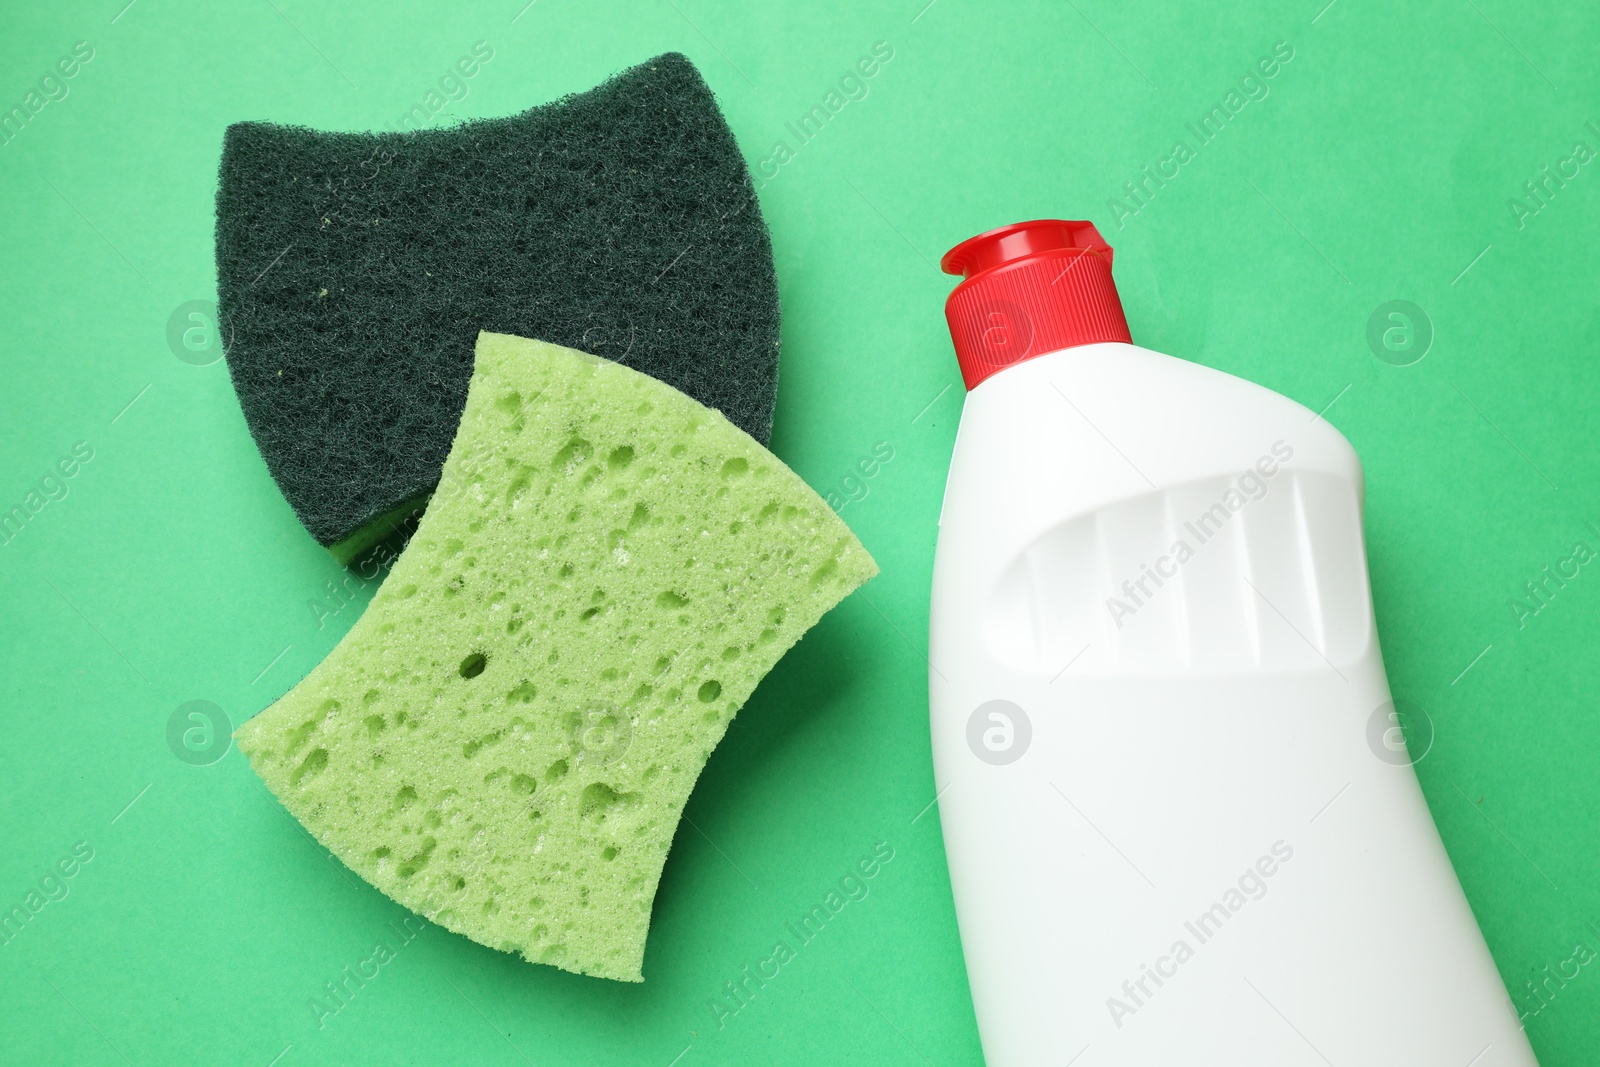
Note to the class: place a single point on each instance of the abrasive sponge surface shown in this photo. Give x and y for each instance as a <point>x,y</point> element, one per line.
<point>354,271</point>
<point>506,738</point>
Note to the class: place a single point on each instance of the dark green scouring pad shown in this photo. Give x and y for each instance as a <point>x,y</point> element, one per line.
<point>356,269</point>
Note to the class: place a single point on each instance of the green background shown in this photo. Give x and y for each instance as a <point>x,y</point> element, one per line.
<point>1379,167</point>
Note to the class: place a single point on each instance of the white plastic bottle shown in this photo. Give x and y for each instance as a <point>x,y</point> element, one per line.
<point>1182,827</point>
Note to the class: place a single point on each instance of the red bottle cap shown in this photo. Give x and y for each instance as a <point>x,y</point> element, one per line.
<point>1030,288</point>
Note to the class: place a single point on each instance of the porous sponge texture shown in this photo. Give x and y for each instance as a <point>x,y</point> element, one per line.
<point>505,740</point>
<point>354,271</point>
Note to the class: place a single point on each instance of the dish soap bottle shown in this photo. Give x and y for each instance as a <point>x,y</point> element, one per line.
<point>1181,822</point>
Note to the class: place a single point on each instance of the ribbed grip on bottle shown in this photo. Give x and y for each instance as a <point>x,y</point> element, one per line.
<point>1045,299</point>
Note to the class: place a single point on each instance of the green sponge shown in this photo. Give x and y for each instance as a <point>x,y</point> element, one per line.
<point>354,271</point>
<point>505,740</point>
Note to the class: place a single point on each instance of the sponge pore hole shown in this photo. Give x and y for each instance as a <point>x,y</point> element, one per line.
<point>315,761</point>
<point>420,860</point>
<point>471,748</point>
<point>517,490</point>
<point>599,801</point>
<point>300,735</point>
<point>710,691</point>
<point>824,572</point>
<point>573,454</point>
<point>473,665</point>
